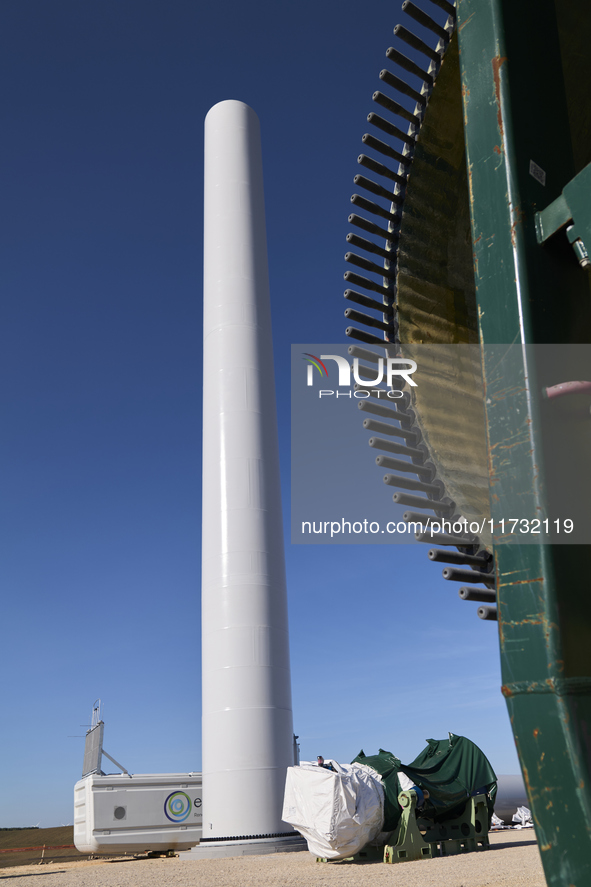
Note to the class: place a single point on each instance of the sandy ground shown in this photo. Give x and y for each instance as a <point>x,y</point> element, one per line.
<point>512,861</point>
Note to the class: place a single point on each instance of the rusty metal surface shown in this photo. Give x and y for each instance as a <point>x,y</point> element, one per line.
<point>435,281</point>
<point>436,300</point>
<point>531,294</point>
<point>427,293</point>
<point>449,405</point>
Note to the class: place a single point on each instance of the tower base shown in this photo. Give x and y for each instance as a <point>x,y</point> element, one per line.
<point>248,847</point>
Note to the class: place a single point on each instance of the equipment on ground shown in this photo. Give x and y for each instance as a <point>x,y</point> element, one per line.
<point>378,808</point>
<point>122,813</point>
<point>119,813</point>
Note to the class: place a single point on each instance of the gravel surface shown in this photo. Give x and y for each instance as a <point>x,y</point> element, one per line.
<point>512,861</point>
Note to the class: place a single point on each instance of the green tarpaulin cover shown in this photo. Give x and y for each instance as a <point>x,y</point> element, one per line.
<point>451,770</point>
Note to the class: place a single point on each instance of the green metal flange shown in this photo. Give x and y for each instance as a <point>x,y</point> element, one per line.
<point>573,211</point>
<point>527,295</point>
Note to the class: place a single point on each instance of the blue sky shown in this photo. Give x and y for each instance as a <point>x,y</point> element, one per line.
<point>101,175</point>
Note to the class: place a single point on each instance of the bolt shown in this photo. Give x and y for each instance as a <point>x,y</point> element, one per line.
<point>580,250</point>
<point>582,254</point>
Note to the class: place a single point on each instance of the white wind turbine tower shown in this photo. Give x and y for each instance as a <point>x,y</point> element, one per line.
<point>247,729</point>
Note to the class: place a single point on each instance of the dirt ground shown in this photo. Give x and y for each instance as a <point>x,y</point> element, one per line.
<point>512,861</point>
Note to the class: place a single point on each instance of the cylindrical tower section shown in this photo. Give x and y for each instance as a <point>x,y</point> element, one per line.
<point>247,718</point>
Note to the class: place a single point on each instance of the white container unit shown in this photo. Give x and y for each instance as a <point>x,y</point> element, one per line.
<point>133,814</point>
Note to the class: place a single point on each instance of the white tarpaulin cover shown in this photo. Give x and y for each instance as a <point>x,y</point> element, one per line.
<point>522,818</point>
<point>336,812</point>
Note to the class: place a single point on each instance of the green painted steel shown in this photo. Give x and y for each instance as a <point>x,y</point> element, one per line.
<point>519,162</point>
<point>573,211</point>
<point>407,843</point>
<point>417,838</point>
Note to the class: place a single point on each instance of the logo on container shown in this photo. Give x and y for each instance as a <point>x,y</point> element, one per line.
<point>177,806</point>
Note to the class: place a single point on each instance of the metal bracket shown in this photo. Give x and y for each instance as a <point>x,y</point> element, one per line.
<point>117,764</point>
<point>573,206</point>
<point>417,838</point>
